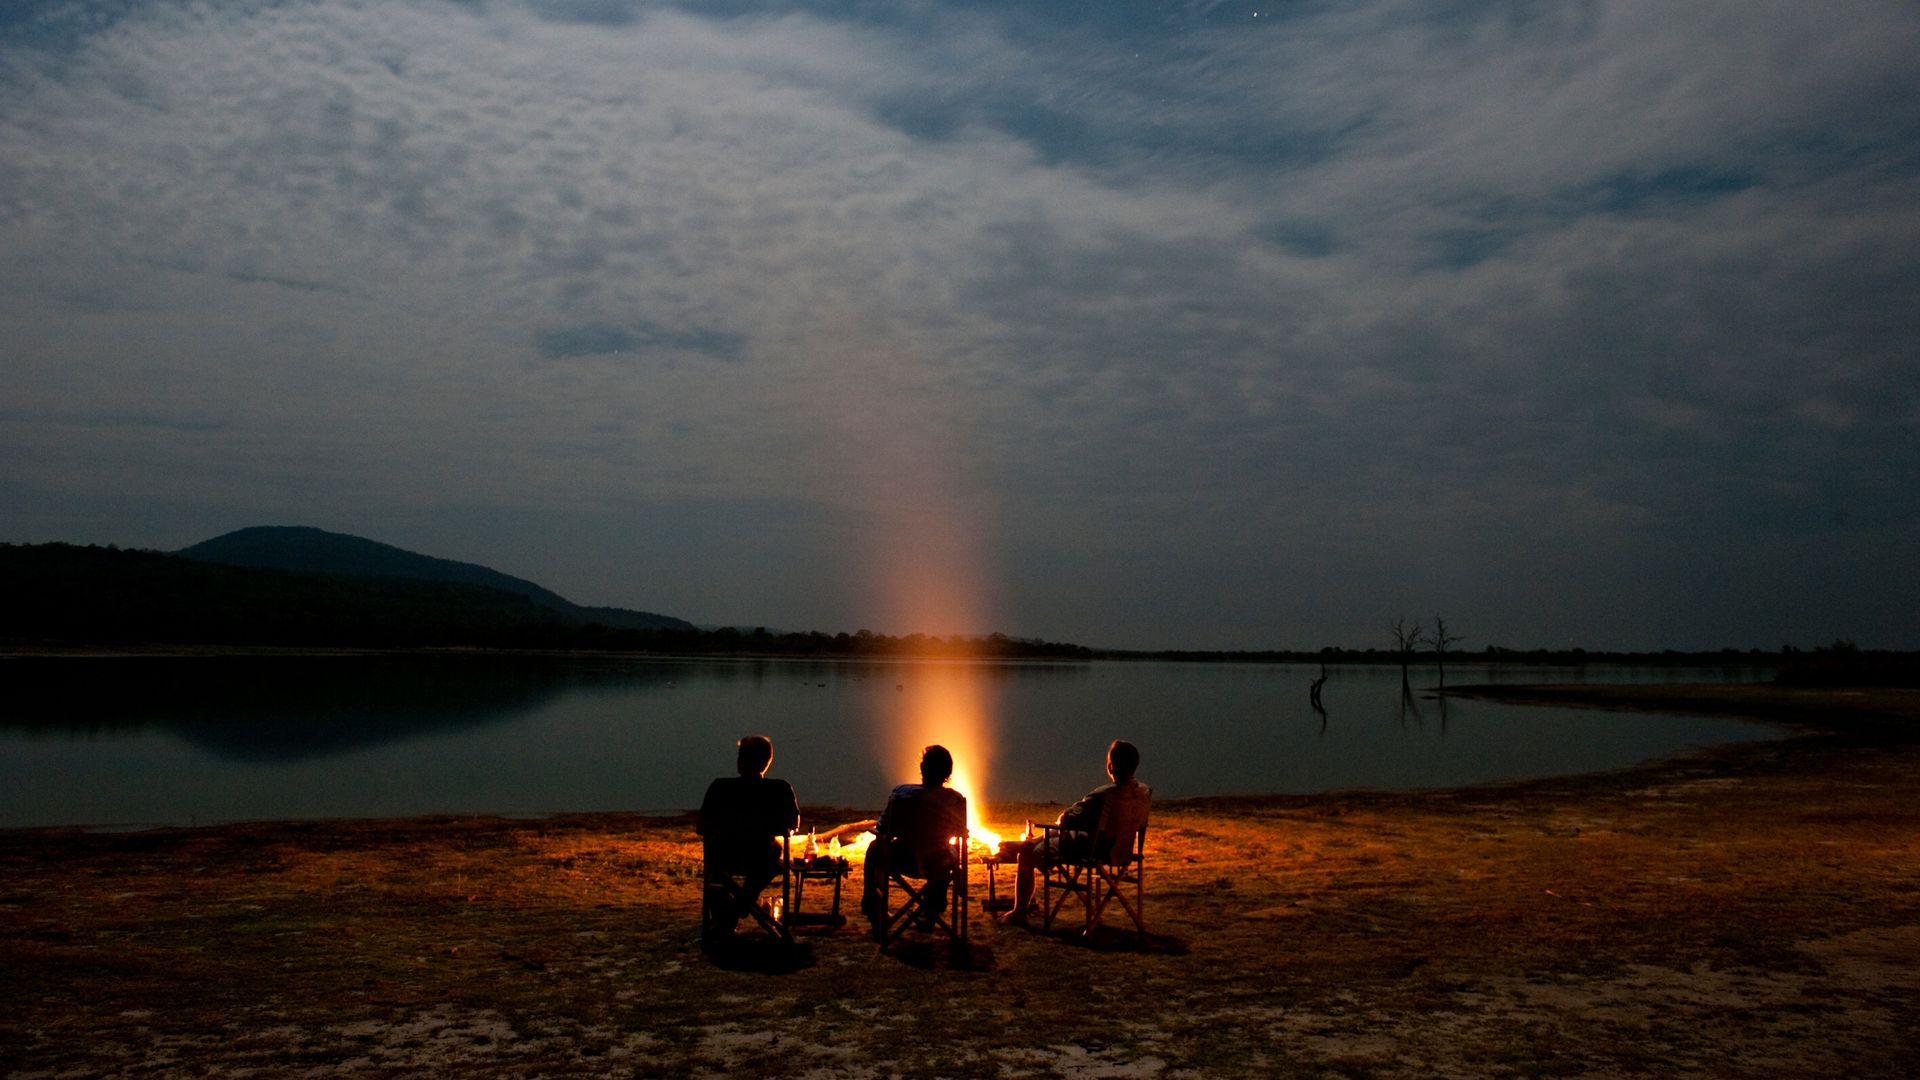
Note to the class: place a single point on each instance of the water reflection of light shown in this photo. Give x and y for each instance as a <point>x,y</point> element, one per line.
<point>924,522</point>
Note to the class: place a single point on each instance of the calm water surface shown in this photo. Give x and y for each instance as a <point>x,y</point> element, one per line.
<point>94,741</point>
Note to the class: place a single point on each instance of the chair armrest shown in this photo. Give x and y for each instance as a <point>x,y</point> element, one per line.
<point>1054,846</point>
<point>1056,834</point>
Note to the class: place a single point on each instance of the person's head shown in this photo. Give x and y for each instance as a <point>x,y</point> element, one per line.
<point>936,765</point>
<point>755,754</point>
<point>1123,760</point>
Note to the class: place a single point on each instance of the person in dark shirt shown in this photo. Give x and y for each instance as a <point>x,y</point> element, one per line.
<point>1107,809</point>
<point>912,837</point>
<point>743,818</point>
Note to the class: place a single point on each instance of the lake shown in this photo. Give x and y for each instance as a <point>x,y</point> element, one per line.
<point>153,740</point>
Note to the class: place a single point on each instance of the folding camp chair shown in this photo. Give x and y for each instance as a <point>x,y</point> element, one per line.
<point>724,894</point>
<point>903,870</point>
<point>1100,867</point>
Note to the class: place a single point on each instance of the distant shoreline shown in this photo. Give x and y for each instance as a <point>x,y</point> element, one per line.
<point>1360,658</point>
<point>1846,710</point>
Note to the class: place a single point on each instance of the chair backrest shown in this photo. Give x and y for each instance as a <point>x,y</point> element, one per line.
<point>918,824</point>
<point>721,856</point>
<point>903,859</point>
<point>1123,813</point>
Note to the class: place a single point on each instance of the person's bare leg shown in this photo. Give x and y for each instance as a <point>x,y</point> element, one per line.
<point>873,875</point>
<point>1023,884</point>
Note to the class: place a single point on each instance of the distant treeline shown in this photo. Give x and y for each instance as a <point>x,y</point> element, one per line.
<point>63,595</point>
<point>1845,664</point>
<point>1839,664</point>
<point>863,643</point>
<point>1493,654</point>
<point>67,595</point>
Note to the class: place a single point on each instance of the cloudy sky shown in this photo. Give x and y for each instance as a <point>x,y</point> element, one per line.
<point>1140,324</point>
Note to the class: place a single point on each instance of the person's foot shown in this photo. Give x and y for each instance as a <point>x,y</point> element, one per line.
<point>1020,917</point>
<point>925,920</point>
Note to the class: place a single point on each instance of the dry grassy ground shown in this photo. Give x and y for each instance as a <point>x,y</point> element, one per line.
<point>1751,912</point>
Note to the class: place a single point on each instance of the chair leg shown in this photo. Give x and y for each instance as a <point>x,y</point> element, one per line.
<point>1113,886</point>
<point>957,913</point>
<point>709,913</point>
<point>1139,908</point>
<point>891,920</point>
<point>1072,881</point>
<point>776,927</point>
<point>954,920</point>
<point>1096,904</point>
<point>723,902</point>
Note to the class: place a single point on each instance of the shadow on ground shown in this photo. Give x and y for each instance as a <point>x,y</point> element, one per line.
<point>759,953</point>
<point>942,954</point>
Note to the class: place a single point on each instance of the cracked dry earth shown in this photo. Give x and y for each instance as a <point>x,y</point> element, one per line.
<point>1750,912</point>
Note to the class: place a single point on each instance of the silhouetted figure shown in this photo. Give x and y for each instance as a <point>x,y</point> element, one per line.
<point>912,837</point>
<point>1313,692</point>
<point>1096,811</point>
<point>743,818</point>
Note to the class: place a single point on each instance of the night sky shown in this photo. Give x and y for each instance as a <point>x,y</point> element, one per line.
<point>1231,325</point>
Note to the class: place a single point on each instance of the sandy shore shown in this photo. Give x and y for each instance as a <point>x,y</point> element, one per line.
<point>1751,911</point>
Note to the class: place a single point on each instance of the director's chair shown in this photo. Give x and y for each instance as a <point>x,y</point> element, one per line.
<point>1098,868</point>
<point>727,892</point>
<point>902,870</point>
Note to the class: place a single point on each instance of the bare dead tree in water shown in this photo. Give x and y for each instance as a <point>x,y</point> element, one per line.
<point>1441,639</point>
<point>1410,706</point>
<point>1405,640</point>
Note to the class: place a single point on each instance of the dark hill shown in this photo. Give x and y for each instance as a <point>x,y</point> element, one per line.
<point>301,549</point>
<point>65,596</point>
<point>62,594</point>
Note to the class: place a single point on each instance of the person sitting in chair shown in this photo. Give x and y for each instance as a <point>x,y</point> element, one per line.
<point>1096,811</point>
<point>912,837</point>
<point>742,820</point>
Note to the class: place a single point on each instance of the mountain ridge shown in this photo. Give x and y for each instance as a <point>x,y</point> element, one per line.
<point>310,550</point>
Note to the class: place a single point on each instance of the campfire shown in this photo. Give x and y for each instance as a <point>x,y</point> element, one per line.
<point>977,831</point>
<point>850,841</point>
<point>941,702</point>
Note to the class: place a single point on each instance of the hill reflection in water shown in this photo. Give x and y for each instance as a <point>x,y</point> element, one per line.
<point>255,708</point>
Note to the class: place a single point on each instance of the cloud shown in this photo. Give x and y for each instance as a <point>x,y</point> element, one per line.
<point>1399,293</point>
<point>599,339</point>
